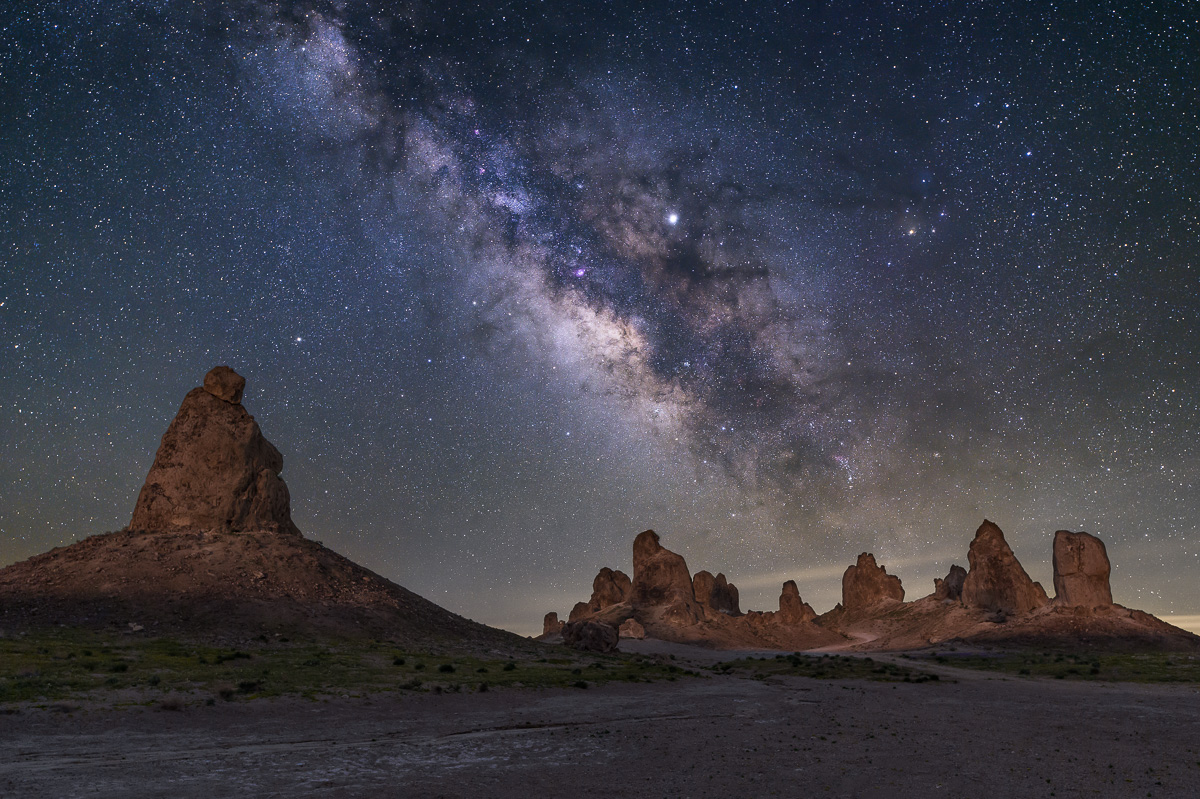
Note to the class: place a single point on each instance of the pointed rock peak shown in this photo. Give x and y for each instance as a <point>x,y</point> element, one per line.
<point>791,609</point>
<point>866,584</point>
<point>997,581</point>
<point>224,383</point>
<point>213,469</point>
<point>716,593</point>
<point>1081,571</point>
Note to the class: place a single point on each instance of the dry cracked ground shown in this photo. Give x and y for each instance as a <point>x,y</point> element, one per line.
<point>984,735</point>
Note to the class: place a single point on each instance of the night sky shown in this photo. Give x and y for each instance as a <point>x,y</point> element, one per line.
<point>513,282</point>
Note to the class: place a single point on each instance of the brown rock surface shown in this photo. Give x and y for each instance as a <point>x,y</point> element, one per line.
<point>224,383</point>
<point>1081,571</point>
<point>950,587</point>
<point>716,593</point>
<point>661,579</point>
<point>630,628</point>
<point>590,636</point>
<point>866,584</point>
<point>609,588</point>
<point>551,624</point>
<point>213,469</point>
<point>997,581</point>
<point>581,611</point>
<point>791,609</point>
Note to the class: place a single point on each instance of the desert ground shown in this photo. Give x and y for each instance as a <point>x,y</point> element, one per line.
<point>971,733</point>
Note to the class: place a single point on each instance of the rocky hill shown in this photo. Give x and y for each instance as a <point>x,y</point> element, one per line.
<point>211,551</point>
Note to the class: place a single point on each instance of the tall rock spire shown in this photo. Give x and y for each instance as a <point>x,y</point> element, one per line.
<point>214,470</point>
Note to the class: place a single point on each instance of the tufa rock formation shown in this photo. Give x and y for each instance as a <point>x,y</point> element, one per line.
<point>590,636</point>
<point>204,556</point>
<point>951,587</point>
<point>997,581</point>
<point>791,609</point>
<point>214,470</point>
<point>551,625</point>
<point>630,628</point>
<point>661,579</point>
<point>865,585</point>
<point>715,593</point>
<point>1081,571</point>
<point>608,589</point>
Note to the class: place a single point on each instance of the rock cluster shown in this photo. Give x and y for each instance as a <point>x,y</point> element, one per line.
<point>214,470</point>
<point>866,584</point>
<point>997,581</point>
<point>715,593</point>
<point>1081,571</point>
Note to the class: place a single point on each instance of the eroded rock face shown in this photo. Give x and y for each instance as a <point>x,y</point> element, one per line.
<point>590,636</point>
<point>716,593</point>
<point>551,624</point>
<point>581,611</point>
<point>630,628</point>
<point>866,584</point>
<point>950,587</point>
<point>997,581</point>
<point>610,588</point>
<point>214,470</point>
<point>791,609</point>
<point>661,579</point>
<point>1081,571</point>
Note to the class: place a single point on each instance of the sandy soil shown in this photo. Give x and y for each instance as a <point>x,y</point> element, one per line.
<point>726,736</point>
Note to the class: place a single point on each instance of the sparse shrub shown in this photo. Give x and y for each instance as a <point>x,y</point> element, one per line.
<point>154,679</point>
<point>446,668</point>
<point>579,684</point>
<point>226,692</point>
<point>118,668</point>
<point>510,666</point>
<point>411,685</point>
<point>173,703</point>
<point>481,670</point>
<point>398,661</point>
<point>577,671</point>
<point>248,686</point>
<point>483,687</point>
<point>419,667</point>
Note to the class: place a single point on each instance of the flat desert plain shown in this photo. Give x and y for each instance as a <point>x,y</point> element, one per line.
<point>970,734</point>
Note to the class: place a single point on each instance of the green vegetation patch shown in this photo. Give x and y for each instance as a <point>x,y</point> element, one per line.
<point>58,665</point>
<point>1148,667</point>
<point>825,667</point>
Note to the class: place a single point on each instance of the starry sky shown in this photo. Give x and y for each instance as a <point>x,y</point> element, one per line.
<point>513,281</point>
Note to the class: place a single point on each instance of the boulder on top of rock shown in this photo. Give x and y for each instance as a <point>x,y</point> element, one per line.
<point>866,584</point>
<point>590,636</point>
<point>996,580</point>
<point>1081,571</point>
<point>551,625</point>
<point>950,587</point>
<point>716,593</point>
<point>630,628</point>
<point>661,579</point>
<point>791,609</point>
<point>609,588</point>
<point>213,469</point>
<point>224,383</point>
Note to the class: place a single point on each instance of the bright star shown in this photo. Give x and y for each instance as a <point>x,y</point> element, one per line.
<point>673,219</point>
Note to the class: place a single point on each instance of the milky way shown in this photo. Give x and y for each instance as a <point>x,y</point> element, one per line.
<point>513,282</point>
